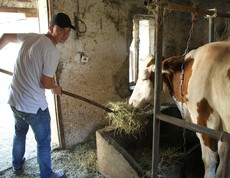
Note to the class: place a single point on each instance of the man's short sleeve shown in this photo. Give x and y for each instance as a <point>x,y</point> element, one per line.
<point>21,37</point>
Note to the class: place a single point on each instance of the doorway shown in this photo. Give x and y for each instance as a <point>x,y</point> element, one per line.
<point>18,23</point>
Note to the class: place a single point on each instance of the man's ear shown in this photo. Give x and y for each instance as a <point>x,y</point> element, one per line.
<point>51,28</point>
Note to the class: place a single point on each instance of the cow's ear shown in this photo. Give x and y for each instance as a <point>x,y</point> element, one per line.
<point>151,62</point>
<point>172,64</point>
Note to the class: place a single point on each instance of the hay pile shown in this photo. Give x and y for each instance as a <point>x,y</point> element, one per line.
<point>127,119</point>
<point>80,162</point>
<point>167,157</point>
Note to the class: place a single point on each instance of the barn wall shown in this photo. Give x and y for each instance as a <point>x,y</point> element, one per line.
<point>177,26</point>
<point>105,76</point>
<point>106,43</point>
<point>181,22</point>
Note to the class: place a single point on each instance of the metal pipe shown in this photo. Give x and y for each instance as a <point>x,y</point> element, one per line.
<point>211,29</point>
<point>157,89</point>
<point>226,170</point>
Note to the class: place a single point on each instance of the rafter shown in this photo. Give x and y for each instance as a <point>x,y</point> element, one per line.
<point>29,12</point>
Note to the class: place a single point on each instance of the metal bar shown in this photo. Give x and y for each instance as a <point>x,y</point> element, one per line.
<point>226,170</point>
<point>211,29</point>
<point>157,89</point>
<point>223,136</point>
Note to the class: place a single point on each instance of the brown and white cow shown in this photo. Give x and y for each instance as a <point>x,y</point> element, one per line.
<point>206,91</point>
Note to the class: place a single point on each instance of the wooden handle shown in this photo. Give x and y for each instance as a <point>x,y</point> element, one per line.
<point>86,100</point>
<point>71,94</point>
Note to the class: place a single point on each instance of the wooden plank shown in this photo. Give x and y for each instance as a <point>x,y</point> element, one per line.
<point>25,0</point>
<point>29,12</point>
<point>4,2</point>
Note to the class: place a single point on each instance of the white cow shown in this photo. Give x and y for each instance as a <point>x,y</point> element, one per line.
<point>206,91</point>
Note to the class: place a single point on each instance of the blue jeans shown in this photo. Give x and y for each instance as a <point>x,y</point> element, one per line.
<point>40,124</point>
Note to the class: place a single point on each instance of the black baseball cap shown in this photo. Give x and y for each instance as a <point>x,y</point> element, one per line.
<point>62,20</point>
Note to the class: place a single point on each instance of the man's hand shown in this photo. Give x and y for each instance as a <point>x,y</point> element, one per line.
<point>57,90</point>
<point>48,83</point>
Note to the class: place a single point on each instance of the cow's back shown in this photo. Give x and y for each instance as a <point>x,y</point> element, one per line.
<point>210,80</point>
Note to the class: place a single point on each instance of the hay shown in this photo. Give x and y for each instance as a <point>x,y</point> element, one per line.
<point>80,162</point>
<point>167,157</point>
<point>127,119</point>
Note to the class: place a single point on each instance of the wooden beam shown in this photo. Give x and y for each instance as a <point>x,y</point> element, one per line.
<point>183,8</point>
<point>25,0</point>
<point>29,12</point>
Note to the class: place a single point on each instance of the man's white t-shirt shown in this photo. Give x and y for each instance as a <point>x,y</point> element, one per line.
<point>37,56</point>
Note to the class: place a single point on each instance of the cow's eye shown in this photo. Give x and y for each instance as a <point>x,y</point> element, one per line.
<point>144,79</point>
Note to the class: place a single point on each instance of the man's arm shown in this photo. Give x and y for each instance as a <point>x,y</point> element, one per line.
<point>8,38</point>
<point>48,83</point>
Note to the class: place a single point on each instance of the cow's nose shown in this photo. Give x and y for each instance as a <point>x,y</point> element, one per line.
<point>131,102</point>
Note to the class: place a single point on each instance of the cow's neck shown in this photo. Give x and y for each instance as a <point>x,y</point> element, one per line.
<point>172,81</point>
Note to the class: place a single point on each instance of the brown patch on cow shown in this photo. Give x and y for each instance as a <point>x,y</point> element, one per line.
<point>228,74</point>
<point>204,111</point>
<point>173,78</point>
<point>152,78</point>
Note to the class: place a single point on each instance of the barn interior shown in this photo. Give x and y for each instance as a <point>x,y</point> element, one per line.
<point>99,60</point>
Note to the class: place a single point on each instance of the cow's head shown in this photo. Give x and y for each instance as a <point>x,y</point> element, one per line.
<point>144,89</point>
<point>143,92</point>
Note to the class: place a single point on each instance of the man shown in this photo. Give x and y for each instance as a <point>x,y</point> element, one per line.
<point>33,73</point>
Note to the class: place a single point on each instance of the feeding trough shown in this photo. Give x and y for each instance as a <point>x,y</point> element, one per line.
<point>122,155</point>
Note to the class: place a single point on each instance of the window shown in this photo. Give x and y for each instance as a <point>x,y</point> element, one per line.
<point>142,45</point>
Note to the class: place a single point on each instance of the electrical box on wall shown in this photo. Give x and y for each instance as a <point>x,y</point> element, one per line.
<point>81,58</point>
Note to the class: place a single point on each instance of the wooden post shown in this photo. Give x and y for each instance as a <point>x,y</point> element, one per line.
<point>136,52</point>
<point>157,89</point>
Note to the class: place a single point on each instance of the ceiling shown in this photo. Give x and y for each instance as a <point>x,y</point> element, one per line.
<point>29,7</point>
<point>19,3</point>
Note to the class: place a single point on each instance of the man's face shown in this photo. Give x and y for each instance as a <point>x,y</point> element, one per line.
<point>60,35</point>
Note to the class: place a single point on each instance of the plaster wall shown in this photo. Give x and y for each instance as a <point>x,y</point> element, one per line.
<point>105,76</point>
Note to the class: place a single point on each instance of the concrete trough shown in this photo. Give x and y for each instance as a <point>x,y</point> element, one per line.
<point>116,161</point>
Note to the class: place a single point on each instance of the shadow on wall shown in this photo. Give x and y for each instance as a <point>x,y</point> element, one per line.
<point>121,80</point>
